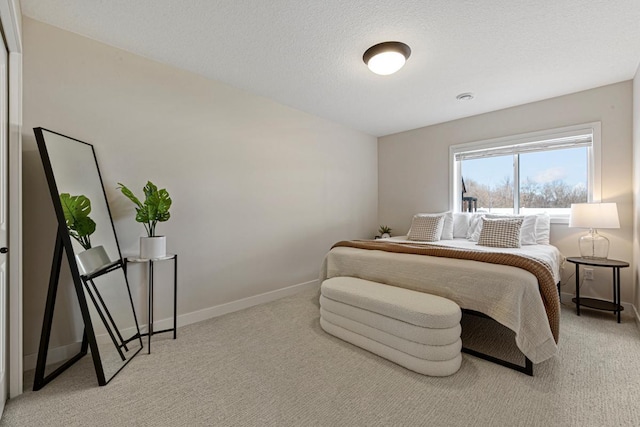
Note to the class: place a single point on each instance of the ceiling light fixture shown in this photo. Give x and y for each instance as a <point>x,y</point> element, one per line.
<point>468,96</point>
<point>386,58</point>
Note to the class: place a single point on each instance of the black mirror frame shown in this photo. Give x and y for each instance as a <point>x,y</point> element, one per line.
<point>64,244</point>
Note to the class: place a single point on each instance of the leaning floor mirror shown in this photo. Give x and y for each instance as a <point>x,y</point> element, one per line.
<point>86,234</point>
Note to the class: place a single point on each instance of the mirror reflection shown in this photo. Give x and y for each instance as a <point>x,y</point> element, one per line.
<point>90,240</point>
<point>76,174</point>
<point>67,325</point>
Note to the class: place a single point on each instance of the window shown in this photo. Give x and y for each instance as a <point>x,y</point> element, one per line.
<point>531,173</point>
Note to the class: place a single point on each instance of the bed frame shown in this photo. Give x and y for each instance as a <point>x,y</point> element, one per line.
<point>528,365</point>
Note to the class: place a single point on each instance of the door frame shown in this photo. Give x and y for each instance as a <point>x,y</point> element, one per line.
<point>11,19</point>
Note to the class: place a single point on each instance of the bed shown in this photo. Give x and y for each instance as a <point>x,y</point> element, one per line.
<point>457,269</point>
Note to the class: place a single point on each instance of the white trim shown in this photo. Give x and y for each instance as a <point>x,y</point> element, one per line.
<point>576,139</point>
<point>11,18</point>
<point>567,296</point>
<point>54,355</point>
<point>594,162</point>
<point>59,354</point>
<point>597,163</point>
<point>15,232</point>
<point>219,310</point>
<point>528,137</point>
<point>516,182</point>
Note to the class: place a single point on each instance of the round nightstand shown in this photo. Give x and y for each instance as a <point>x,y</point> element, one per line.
<point>599,304</point>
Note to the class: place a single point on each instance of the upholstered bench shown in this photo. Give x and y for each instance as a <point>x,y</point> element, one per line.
<point>413,329</point>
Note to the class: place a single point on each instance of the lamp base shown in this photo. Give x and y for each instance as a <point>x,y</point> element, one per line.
<point>593,245</point>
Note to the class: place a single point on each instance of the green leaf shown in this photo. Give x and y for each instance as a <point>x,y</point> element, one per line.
<point>164,217</point>
<point>129,194</point>
<point>155,207</point>
<point>142,215</point>
<point>85,226</point>
<point>76,210</point>
<point>149,189</point>
<point>164,202</point>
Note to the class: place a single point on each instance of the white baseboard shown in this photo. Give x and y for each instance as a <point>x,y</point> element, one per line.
<point>60,354</point>
<point>219,310</point>
<point>54,355</point>
<point>230,307</point>
<point>637,316</point>
<point>566,299</point>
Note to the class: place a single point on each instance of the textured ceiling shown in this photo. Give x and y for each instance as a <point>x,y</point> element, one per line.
<point>308,53</point>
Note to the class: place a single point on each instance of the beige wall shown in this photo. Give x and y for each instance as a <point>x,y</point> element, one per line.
<point>636,187</point>
<point>413,170</point>
<point>260,190</point>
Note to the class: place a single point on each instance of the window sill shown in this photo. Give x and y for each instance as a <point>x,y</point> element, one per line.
<point>560,219</point>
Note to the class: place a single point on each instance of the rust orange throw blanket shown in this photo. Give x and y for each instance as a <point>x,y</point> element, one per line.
<point>541,270</point>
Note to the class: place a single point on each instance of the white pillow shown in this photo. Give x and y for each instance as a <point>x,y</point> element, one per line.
<point>543,228</point>
<point>426,228</point>
<point>461,224</point>
<point>447,229</point>
<point>475,226</point>
<point>527,230</point>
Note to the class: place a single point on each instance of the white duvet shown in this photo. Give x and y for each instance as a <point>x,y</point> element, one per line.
<point>507,294</point>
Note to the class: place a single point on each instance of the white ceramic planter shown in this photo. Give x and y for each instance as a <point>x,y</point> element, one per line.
<point>153,247</point>
<point>92,259</point>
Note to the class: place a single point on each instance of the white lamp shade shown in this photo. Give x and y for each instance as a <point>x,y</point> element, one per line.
<point>594,215</point>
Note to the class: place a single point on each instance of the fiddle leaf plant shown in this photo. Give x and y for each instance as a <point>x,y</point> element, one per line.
<point>155,208</point>
<point>76,211</point>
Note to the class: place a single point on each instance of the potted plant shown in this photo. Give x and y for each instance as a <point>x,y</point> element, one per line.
<point>384,232</point>
<point>76,210</point>
<point>155,209</point>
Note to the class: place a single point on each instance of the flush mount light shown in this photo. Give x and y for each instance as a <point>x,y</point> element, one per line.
<point>386,58</point>
<point>468,96</point>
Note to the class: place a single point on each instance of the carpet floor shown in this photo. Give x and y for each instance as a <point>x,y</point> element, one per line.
<point>273,365</point>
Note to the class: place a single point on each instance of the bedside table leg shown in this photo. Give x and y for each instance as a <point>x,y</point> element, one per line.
<point>616,290</point>
<point>578,289</point>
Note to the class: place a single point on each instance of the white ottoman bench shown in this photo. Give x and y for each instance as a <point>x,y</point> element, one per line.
<point>413,329</point>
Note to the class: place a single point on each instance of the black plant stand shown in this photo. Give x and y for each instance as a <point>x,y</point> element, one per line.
<point>150,332</point>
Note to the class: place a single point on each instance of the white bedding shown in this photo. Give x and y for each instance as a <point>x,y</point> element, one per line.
<point>507,294</point>
<point>547,253</point>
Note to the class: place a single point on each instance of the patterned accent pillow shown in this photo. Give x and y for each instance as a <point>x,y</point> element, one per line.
<point>500,233</point>
<point>528,229</point>
<point>447,228</point>
<point>426,228</point>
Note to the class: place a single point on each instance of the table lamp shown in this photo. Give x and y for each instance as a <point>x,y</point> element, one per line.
<point>594,216</point>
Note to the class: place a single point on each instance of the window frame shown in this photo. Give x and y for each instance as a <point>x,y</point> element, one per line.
<point>594,162</point>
